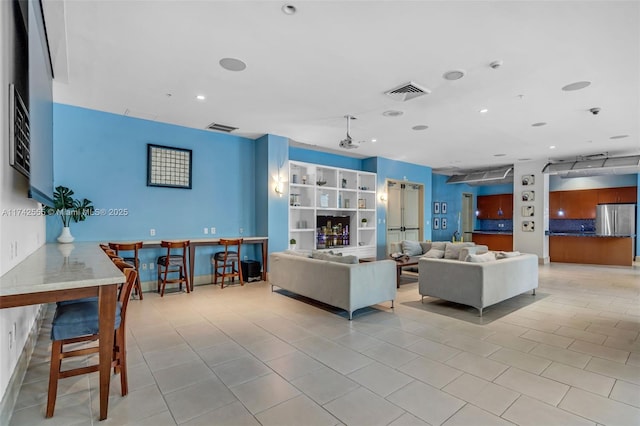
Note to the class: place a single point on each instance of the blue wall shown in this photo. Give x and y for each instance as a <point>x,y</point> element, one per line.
<point>399,170</point>
<point>324,158</point>
<point>452,195</point>
<point>103,157</point>
<point>506,188</point>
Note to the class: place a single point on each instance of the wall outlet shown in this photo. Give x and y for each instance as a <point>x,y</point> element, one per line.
<point>10,339</point>
<point>144,266</point>
<point>206,230</point>
<point>241,231</point>
<point>15,249</point>
<point>213,230</point>
<point>152,232</point>
<point>151,265</point>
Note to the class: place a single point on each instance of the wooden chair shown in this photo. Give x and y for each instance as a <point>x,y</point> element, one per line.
<point>173,264</point>
<point>135,260</point>
<point>77,322</point>
<point>227,259</point>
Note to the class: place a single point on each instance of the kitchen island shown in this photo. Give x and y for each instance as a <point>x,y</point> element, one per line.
<point>495,240</point>
<point>589,248</point>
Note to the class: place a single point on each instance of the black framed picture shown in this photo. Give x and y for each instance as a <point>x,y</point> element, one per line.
<point>443,223</point>
<point>436,207</point>
<point>436,223</point>
<point>168,167</point>
<point>443,208</point>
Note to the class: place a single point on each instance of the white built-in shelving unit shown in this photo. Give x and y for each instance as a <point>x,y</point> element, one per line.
<point>348,195</point>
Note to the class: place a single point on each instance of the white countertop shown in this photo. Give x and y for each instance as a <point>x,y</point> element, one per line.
<point>59,267</point>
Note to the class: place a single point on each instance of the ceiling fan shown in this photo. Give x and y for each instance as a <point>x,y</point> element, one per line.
<point>347,143</point>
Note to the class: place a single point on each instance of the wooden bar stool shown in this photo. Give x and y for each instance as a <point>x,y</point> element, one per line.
<point>77,322</point>
<point>173,264</point>
<point>135,260</point>
<point>227,259</point>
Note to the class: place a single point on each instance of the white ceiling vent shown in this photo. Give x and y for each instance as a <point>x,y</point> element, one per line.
<point>407,91</point>
<point>221,127</point>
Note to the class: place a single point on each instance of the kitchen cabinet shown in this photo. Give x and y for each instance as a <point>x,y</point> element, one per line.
<point>495,242</point>
<point>499,206</point>
<point>581,204</point>
<point>625,194</point>
<point>573,204</point>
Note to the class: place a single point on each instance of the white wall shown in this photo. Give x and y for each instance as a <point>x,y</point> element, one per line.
<point>20,235</point>
<point>531,242</point>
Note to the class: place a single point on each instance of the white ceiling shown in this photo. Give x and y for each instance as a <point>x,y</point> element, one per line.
<point>306,71</point>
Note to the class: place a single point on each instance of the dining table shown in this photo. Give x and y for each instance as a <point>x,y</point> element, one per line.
<point>57,272</point>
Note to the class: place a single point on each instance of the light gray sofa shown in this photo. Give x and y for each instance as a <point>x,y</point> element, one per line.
<point>346,286</point>
<point>478,284</point>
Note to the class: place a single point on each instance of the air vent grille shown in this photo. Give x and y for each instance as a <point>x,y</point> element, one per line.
<point>221,127</point>
<point>407,91</point>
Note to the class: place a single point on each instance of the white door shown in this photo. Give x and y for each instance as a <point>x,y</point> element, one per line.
<point>404,213</point>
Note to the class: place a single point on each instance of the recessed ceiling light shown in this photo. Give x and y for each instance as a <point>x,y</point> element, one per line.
<point>619,137</point>
<point>420,127</point>
<point>453,75</point>
<point>499,155</point>
<point>289,9</point>
<point>232,64</point>
<point>168,95</point>
<point>552,147</point>
<point>539,124</point>
<point>200,97</point>
<point>374,140</point>
<point>496,64</point>
<point>576,86</point>
<point>484,111</point>
<point>392,113</point>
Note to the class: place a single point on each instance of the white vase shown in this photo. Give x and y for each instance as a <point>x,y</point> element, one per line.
<point>292,246</point>
<point>65,235</point>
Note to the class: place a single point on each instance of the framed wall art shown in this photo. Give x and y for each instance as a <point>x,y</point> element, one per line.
<point>436,223</point>
<point>443,223</point>
<point>528,195</point>
<point>443,207</point>
<point>436,207</point>
<point>528,180</point>
<point>527,211</point>
<point>168,167</point>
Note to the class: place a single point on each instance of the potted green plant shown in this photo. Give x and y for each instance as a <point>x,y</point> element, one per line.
<point>364,222</point>
<point>69,209</point>
<point>292,244</point>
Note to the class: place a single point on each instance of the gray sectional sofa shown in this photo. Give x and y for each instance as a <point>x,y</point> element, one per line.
<point>346,286</point>
<point>477,284</point>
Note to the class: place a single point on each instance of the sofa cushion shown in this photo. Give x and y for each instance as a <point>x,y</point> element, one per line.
<point>452,250</point>
<point>434,254</point>
<point>481,258</point>
<point>411,248</point>
<point>426,246</point>
<point>338,257</point>
<point>506,254</point>
<point>301,253</point>
<point>477,249</point>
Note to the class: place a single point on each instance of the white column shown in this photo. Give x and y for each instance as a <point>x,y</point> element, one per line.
<point>529,231</point>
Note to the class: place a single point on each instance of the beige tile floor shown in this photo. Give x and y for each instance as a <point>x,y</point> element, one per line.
<point>249,356</point>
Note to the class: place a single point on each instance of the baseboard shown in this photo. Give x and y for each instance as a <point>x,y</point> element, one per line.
<point>152,286</point>
<point>544,260</point>
<point>637,258</point>
<point>15,383</point>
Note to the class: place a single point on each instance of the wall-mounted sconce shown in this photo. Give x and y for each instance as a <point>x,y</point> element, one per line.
<point>383,197</point>
<point>279,187</point>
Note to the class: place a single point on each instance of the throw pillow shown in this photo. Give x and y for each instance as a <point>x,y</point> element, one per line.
<point>439,245</point>
<point>434,254</point>
<point>507,254</point>
<point>481,258</point>
<point>338,257</point>
<point>472,250</point>
<point>426,246</point>
<point>411,248</point>
<point>452,250</point>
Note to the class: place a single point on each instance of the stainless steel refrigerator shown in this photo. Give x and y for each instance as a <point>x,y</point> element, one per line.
<point>615,219</point>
